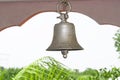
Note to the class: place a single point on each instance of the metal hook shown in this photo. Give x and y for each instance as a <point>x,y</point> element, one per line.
<point>64,4</point>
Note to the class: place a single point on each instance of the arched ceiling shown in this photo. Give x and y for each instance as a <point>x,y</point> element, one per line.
<point>16,12</point>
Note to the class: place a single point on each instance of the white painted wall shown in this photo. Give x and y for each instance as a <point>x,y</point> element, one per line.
<point>22,45</point>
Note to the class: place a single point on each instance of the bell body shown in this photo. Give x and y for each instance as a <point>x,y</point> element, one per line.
<point>64,38</point>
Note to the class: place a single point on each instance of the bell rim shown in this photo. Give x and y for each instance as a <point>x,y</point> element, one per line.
<point>64,49</point>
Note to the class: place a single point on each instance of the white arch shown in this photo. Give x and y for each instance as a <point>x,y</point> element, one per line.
<point>29,42</point>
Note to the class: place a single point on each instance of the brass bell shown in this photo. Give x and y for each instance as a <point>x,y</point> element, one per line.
<point>64,38</point>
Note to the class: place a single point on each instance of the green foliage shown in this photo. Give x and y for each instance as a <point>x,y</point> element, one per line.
<point>7,74</point>
<point>89,74</point>
<point>117,40</point>
<point>48,68</point>
<point>45,68</point>
<point>114,73</point>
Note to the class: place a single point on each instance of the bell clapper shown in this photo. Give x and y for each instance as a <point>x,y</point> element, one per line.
<point>64,53</point>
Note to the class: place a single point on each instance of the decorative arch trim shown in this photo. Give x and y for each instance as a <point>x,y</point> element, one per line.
<point>15,13</point>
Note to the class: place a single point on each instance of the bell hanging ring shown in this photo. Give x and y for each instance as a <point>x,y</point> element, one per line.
<point>66,6</point>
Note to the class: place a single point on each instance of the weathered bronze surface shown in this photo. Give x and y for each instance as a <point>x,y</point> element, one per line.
<point>64,38</point>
